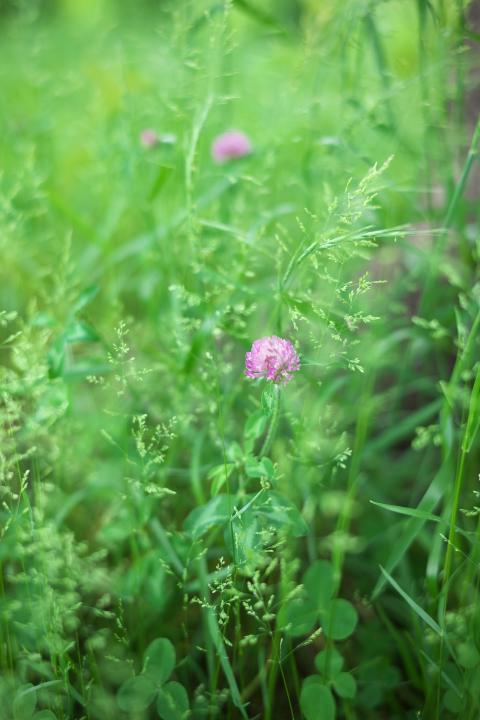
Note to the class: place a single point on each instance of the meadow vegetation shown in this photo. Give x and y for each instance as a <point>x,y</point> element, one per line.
<point>179,540</point>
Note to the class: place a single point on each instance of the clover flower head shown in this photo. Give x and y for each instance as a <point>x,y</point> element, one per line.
<point>272,358</point>
<point>230,145</point>
<point>149,138</point>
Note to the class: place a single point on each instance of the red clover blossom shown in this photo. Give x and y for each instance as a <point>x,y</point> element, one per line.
<point>272,358</point>
<point>149,138</point>
<point>230,145</point>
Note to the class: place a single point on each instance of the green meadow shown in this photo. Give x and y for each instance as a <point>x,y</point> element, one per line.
<point>180,539</point>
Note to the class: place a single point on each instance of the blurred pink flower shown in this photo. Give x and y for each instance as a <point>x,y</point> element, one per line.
<point>148,138</point>
<point>272,358</point>
<point>232,144</point>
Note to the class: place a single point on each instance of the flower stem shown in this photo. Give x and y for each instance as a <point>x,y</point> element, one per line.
<point>272,430</point>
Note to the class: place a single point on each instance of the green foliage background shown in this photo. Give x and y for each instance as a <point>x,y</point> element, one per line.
<point>178,541</point>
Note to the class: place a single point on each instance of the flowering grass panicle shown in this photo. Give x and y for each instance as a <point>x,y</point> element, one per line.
<point>172,545</point>
<point>272,358</point>
<point>231,144</point>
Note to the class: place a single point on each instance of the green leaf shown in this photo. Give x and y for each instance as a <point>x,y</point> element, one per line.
<point>136,694</point>
<point>215,512</point>
<point>445,676</point>
<point>415,607</point>
<point>316,702</point>
<point>219,475</point>
<point>44,715</point>
<point>345,685</point>
<point>258,14</point>
<point>329,663</point>
<point>452,702</point>
<point>268,468</point>
<point>339,620</point>
<point>24,702</point>
<point>313,680</point>
<point>318,582</point>
<point>79,331</point>
<point>163,174</point>
<point>263,468</point>
<point>473,419</point>
<point>411,512</point>
<point>56,358</point>
<point>468,655</point>
<point>281,513</point>
<point>172,701</point>
<point>254,468</point>
<point>234,452</point>
<point>300,616</point>
<point>85,297</point>
<point>255,425</point>
<point>475,632</point>
<point>159,660</point>
<point>247,538</point>
<point>413,526</point>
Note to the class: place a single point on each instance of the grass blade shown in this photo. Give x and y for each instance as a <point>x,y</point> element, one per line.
<point>422,614</point>
<point>411,512</point>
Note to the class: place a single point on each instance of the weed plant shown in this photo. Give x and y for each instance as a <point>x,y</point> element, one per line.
<point>179,540</point>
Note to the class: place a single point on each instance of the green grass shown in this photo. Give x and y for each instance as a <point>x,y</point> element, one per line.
<point>177,540</point>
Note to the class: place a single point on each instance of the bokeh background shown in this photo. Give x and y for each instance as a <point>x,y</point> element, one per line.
<point>155,562</point>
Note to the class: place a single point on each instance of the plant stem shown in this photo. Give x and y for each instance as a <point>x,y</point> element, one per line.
<point>272,430</point>
<point>467,440</point>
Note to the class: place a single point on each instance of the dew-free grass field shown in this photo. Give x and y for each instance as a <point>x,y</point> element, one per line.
<point>180,541</point>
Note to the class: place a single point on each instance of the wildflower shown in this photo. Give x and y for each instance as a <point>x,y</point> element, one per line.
<point>232,144</point>
<point>272,358</point>
<point>148,138</point>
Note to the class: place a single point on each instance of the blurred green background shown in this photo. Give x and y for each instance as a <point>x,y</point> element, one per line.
<point>133,282</point>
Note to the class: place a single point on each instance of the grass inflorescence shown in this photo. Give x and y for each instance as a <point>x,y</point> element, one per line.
<point>188,531</point>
